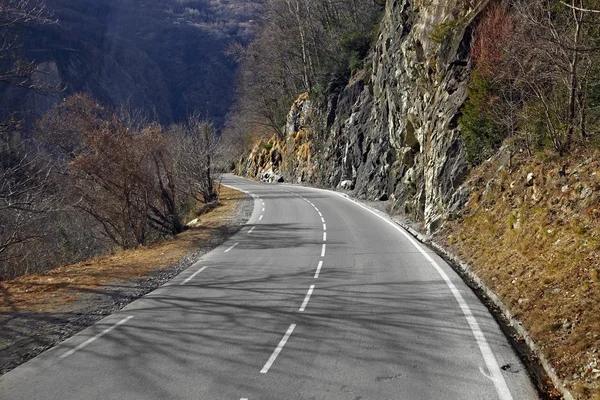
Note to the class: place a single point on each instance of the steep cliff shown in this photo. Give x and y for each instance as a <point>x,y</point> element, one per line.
<point>392,132</point>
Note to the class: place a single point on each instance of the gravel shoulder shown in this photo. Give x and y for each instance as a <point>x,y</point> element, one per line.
<point>26,330</point>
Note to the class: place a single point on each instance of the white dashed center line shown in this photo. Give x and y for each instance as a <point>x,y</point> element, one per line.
<point>323,250</point>
<point>231,248</point>
<point>324,236</point>
<point>278,349</point>
<point>307,298</point>
<point>251,229</point>
<point>318,269</point>
<point>260,218</point>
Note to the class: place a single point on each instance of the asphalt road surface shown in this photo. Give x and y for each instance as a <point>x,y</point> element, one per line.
<point>317,297</point>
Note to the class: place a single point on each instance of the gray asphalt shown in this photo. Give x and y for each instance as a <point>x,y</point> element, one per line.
<point>381,322</point>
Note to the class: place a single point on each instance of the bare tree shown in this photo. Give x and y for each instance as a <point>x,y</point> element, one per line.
<point>133,177</point>
<point>27,196</point>
<point>193,146</point>
<point>558,52</point>
<point>14,13</point>
<point>298,48</point>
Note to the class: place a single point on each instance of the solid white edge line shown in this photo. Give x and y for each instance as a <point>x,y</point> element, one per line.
<point>484,347</point>
<point>260,218</point>
<point>251,229</point>
<point>282,343</point>
<point>323,250</point>
<point>318,269</point>
<point>93,339</point>
<point>255,197</point>
<point>230,248</point>
<point>307,298</point>
<point>193,275</point>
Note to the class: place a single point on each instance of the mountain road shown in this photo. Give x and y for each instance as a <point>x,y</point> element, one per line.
<point>316,297</point>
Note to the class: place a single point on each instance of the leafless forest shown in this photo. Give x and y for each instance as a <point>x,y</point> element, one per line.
<point>86,178</point>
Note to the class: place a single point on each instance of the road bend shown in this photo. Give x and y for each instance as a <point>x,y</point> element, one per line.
<point>316,297</point>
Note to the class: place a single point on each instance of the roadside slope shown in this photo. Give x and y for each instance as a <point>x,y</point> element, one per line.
<point>39,311</point>
<point>531,232</point>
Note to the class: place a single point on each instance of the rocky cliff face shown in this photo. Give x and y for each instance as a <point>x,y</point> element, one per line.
<point>392,133</point>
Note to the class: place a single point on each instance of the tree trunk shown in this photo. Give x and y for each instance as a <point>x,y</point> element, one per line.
<point>578,19</point>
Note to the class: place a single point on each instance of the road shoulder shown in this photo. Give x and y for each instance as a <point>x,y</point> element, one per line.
<point>38,312</point>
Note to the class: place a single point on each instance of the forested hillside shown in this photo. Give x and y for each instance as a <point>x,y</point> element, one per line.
<point>91,158</point>
<point>164,57</point>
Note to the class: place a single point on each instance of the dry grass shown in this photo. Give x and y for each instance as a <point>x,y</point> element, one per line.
<point>49,291</point>
<point>538,248</point>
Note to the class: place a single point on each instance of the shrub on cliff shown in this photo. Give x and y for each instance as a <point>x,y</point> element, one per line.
<point>536,76</point>
<point>481,134</point>
<point>301,46</point>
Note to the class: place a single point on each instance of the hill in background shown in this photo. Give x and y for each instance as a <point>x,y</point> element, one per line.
<point>164,57</point>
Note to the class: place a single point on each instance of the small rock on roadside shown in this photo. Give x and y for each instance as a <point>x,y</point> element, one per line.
<point>346,185</point>
<point>586,192</point>
<point>530,178</point>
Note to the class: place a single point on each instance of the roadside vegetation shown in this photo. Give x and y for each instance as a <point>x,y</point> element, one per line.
<point>531,126</point>
<point>536,79</point>
<point>53,290</point>
<point>531,231</point>
<point>89,179</point>
<point>301,46</point>
<point>86,179</point>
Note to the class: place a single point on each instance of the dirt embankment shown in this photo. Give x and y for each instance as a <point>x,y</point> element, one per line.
<point>531,232</point>
<point>39,311</point>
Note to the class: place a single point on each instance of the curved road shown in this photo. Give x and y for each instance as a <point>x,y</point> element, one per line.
<point>317,297</point>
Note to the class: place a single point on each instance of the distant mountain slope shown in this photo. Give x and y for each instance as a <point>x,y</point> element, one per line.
<point>165,57</point>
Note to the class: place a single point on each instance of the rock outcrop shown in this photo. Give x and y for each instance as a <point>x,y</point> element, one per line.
<point>392,133</point>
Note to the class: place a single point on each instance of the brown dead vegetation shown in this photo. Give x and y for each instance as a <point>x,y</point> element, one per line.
<point>52,290</point>
<point>531,231</point>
